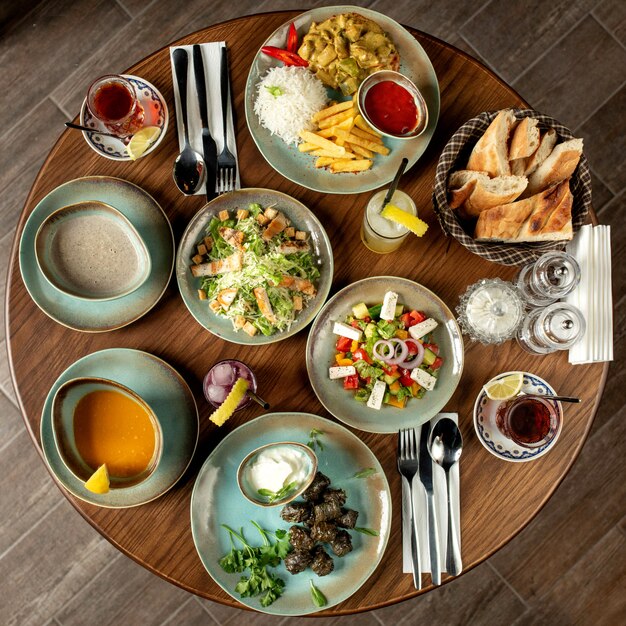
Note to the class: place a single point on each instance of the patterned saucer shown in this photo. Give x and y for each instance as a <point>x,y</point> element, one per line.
<point>156,115</point>
<point>488,433</point>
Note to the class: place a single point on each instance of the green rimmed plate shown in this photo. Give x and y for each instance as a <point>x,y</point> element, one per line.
<point>301,217</point>
<point>320,353</point>
<point>150,222</point>
<point>169,396</point>
<point>299,167</point>
<point>217,500</point>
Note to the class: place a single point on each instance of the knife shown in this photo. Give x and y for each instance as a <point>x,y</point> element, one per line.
<point>426,476</point>
<point>209,147</point>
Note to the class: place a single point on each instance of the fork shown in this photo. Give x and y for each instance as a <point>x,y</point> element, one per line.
<point>408,466</point>
<point>226,163</point>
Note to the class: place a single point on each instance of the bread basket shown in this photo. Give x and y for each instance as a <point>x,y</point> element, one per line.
<point>454,157</point>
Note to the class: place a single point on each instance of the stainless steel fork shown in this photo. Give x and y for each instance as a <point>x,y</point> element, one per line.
<point>408,466</point>
<point>226,162</point>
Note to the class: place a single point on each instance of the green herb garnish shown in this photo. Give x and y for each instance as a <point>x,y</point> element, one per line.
<point>260,582</point>
<point>314,439</point>
<point>366,531</point>
<point>273,496</point>
<point>319,599</point>
<point>275,90</point>
<point>364,473</point>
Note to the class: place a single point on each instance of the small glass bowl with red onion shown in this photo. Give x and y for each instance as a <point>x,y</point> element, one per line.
<point>392,105</point>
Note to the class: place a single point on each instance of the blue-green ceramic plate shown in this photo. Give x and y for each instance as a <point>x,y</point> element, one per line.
<point>299,167</point>
<point>301,217</point>
<point>320,355</point>
<point>169,396</point>
<point>216,500</point>
<point>149,220</point>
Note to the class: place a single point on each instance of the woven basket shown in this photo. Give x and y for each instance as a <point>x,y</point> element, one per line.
<point>455,156</point>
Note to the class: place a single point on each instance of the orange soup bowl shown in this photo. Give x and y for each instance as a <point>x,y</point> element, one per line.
<point>96,421</point>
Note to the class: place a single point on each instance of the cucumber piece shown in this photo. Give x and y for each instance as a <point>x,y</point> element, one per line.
<point>374,311</point>
<point>360,311</point>
<point>391,378</point>
<point>369,330</point>
<point>399,310</point>
<point>429,357</point>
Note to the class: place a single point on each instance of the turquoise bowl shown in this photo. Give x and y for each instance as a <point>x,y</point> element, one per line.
<point>320,355</point>
<point>71,268</point>
<point>64,404</point>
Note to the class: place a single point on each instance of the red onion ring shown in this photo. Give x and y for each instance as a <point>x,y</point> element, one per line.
<point>419,357</point>
<point>378,355</point>
<point>404,350</point>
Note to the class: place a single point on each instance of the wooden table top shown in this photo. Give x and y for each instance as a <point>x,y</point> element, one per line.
<point>498,498</point>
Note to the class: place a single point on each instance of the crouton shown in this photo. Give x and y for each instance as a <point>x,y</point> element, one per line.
<point>197,259</point>
<point>262,220</point>
<point>223,215</point>
<point>214,306</point>
<point>290,232</point>
<point>301,235</point>
<point>202,294</point>
<point>239,322</point>
<point>271,213</point>
<point>208,242</point>
<point>201,249</point>
<point>249,329</point>
<point>297,303</point>
<point>242,214</point>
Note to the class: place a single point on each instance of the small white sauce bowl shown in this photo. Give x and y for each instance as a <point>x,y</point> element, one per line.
<point>403,81</point>
<point>248,491</point>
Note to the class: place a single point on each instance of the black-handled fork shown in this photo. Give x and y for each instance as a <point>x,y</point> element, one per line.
<point>226,162</point>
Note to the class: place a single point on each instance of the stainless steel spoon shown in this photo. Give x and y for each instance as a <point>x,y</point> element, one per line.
<point>549,397</point>
<point>189,167</point>
<point>445,447</point>
<point>93,131</point>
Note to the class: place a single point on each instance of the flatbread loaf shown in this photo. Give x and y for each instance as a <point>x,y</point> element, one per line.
<point>491,152</point>
<point>546,216</point>
<point>484,192</point>
<point>559,166</point>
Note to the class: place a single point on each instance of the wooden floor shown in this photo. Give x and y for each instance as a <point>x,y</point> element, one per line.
<point>568,59</point>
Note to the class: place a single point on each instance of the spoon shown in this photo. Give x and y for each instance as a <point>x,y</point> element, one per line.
<point>445,447</point>
<point>94,131</point>
<point>189,167</point>
<point>395,183</point>
<point>549,397</point>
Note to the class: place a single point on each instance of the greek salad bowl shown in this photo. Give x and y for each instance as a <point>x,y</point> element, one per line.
<point>384,353</point>
<point>254,266</point>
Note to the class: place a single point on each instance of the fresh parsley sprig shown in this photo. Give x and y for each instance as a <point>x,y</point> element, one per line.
<point>274,496</point>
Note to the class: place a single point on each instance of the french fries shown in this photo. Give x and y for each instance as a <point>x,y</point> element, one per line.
<point>343,141</point>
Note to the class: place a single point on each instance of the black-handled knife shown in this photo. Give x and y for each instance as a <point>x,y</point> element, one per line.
<point>426,476</point>
<point>209,147</point>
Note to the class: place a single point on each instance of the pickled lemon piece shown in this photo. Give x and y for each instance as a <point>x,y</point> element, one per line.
<point>227,408</point>
<point>99,481</point>
<point>412,222</point>
<point>504,388</point>
<point>141,141</point>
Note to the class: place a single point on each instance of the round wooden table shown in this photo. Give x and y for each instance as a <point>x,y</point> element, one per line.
<point>498,498</point>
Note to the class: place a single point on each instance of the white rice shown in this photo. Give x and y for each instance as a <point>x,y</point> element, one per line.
<point>287,113</point>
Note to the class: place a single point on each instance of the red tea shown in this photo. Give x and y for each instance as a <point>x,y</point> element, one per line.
<point>527,421</point>
<point>112,102</point>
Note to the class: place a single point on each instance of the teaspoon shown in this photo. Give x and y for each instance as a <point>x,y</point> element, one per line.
<point>189,167</point>
<point>445,447</point>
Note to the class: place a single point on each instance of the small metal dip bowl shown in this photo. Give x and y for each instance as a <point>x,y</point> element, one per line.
<point>403,81</point>
<point>248,491</point>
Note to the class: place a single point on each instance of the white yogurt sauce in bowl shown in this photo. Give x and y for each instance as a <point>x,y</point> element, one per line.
<point>276,473</point>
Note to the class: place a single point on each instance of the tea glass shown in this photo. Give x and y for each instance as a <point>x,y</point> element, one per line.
<point>530,421</point>
<point>112,100</point>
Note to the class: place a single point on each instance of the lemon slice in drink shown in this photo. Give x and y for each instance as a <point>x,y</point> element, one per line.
<point>412,222</point>
<point>141,141</point>
<point>504,388</point>
<point>227,408</point>
<point>99,481</point>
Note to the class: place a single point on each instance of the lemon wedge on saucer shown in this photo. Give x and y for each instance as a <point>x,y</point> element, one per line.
<point>504,388</point>
<point>99,481</point>
<point>412,222</point>
<point>227,408</point>
<point>141,141</point>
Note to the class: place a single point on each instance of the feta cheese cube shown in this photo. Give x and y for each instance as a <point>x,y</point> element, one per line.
<point>388,310</point>
<point>423,328</point>
<point>341,372</point>
<point>344,330</point>
<point>378,394</point>
<point>423,378</point>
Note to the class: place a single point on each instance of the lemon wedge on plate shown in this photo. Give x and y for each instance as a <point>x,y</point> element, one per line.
<point>99,481</point>
<point>141,141</point>
<point>227,408</point>
<point>504,388</point>
<point>412,222</point>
